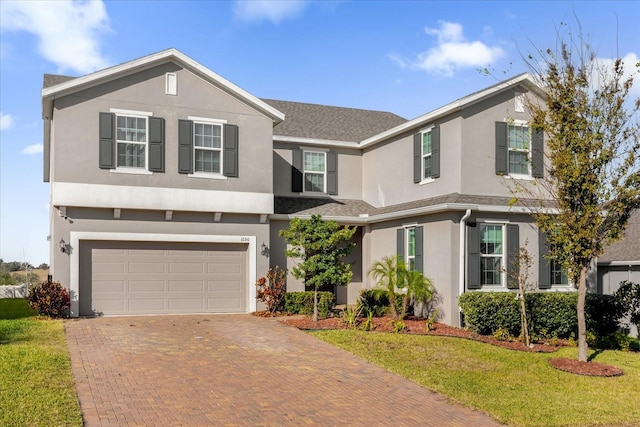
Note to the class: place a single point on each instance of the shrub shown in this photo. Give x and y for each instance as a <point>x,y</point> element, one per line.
<point>272,289</point>
<point>49,299</point>
<point>302,303</point>
<point>628,298</point>
<point>376,301</point>
<point>551,314</point>
<point>488,312</point>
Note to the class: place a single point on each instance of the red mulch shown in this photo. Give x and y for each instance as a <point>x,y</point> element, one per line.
<point>418,327</point>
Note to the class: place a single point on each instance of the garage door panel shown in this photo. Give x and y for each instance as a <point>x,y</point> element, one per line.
<point>146,286</point>
<point>165,277</point>
<point>186,286</point>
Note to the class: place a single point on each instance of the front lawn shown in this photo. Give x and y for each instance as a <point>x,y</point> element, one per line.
<point>36,385</point>
<point>517,388</point>
<point>15,308</point>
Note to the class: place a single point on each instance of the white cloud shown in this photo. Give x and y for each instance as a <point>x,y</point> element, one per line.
<point>32,149</point>
<point>275,11</point>
<point>452,52</point>
<point>6,121</point>
<point>630,67</point>
<point>68,31</point>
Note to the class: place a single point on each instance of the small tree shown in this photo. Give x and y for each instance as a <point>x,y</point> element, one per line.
<point>592,159</point>
<point>419,289</point>
<point>628,296</point>
<point>520,276</point>
<point>321,246</point>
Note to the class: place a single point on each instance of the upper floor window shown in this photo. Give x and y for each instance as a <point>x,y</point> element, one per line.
<point>207,146</point>
<point>519,149</point>
<point>131,141</point>
<point>315,163</point>
<point>426,155</point>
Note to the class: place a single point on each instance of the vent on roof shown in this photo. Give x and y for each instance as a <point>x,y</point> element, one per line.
<point>171,84</point>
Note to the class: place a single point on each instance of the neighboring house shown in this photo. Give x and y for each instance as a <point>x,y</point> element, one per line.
<point>169,186</point>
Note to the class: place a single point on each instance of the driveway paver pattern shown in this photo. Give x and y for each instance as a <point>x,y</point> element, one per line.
<point>238,370</point>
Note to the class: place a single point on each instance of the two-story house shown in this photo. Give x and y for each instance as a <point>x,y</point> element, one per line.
<point>169,185</point>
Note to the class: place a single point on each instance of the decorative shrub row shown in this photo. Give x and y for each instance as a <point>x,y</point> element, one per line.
<point>550,314</point>
<point>302,303</point>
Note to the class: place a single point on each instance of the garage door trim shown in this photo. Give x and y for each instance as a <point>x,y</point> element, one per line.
<point>76,237</point>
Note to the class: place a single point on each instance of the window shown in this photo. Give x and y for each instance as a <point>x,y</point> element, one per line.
<point>519,149</point>
<point>558,275</point>
<point>411,248</point>
<point>207,145</point>
<point>426,155</point>
<point>491,255</point>
<point>315,171</point>
<point>131,141</point>
<point>171,84</point>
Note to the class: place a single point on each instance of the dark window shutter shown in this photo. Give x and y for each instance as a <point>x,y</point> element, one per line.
<point>107,141</point>
<point>185,146</point>
<point>419,260</point>
<point>537,153</point>
<point>296,171</point>
<point>417,157</point>
<point>502,149</point>
<point>231,136</point>
<point>332,172</point>
<point>400,244</point>
<point>513,248</point>
<point>473,257</point>
<point>156,144</point>
<point>544,265</point>
<point>435,152</point>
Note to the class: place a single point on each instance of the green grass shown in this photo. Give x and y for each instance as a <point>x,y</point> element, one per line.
<point>36,385</point>
<point>15,308</point>
<point>515,387</point>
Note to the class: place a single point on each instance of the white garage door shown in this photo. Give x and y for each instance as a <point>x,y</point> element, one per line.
<point>157,278</point>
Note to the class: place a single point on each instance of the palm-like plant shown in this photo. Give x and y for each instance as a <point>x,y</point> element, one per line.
<point>419,289</point>
<point>386,273</point>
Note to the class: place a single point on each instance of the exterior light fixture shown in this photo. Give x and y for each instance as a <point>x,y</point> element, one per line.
<point>63,246</point>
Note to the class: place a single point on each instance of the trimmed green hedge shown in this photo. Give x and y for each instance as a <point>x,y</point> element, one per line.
<point>550,314</point>
<point>302,303</point>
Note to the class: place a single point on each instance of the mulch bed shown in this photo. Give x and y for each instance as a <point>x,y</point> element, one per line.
<point>418,327</point>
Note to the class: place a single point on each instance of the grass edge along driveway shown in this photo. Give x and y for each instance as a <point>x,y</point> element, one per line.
<point>36,382</point>
<point>516,388</point>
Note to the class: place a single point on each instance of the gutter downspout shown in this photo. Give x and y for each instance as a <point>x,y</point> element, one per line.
<point>461,264</point>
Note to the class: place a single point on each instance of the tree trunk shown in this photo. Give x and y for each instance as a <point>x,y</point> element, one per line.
<point>523,321</point>
<point>315,304</point>
<point>582,324</point>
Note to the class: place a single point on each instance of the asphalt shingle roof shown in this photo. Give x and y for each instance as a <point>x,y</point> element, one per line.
<point>54,79</point>
<point>627,249</point>
<point>332,123</point>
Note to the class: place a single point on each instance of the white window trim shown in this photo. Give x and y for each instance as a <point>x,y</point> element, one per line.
<point>140,115</point>
<point>208,121</point>
<point>503,273</point>
<point>529,176</point>
<point>425,180</point>
<point>324,173</point>
<point>406,245</point>
<point>518,102</point>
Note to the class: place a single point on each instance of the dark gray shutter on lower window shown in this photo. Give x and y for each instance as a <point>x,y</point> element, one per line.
<point>513,248</point>
<point>419,259</point>
<point>473,256</point>
<point>544,265</point>
<point>185,146</point>
<point>107,141</point>
<point>502,149</point>
<point>435,152</point>
<point>156,144</point>
<point>537,153</point>
<point>417,157</point>
<point>296,170</point>
<point>400,244</point>
<point>230,156</point>
<point>332,172</point>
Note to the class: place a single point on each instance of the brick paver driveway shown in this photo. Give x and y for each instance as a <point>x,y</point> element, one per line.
<point>209,370</point>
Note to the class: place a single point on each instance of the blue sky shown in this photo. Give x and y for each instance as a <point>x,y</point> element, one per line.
<point>407,57</point>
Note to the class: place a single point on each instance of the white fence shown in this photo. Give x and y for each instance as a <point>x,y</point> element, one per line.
<point>17,291</point>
